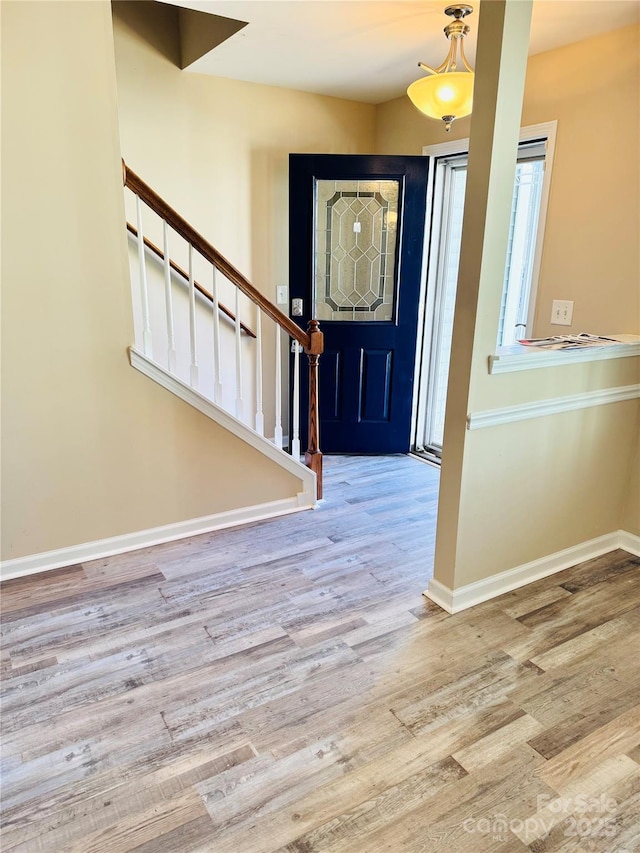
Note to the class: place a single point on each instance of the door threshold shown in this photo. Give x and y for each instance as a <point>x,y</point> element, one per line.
<point>427,458</point>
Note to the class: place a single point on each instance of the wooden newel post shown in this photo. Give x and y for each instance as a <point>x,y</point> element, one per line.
<point>313,455</point>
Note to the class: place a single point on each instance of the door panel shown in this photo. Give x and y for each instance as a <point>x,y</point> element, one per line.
<point>375,385</point>
<point>330,386</point>
<point>356,236</point>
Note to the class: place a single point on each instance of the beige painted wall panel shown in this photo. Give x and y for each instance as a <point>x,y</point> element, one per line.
<point>90,448</point>
<point>591,251</point>
<point>592,242</point>
<point>493,391</point>
<point>536,487</point>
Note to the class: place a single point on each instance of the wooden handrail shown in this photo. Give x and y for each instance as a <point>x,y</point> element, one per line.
<point>185,275</point>
<point>189,233</point>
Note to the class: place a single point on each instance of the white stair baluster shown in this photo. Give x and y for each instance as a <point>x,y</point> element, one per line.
<point>217,374</point>
<point>259,412</point>
<point>171,340</point>
<point>192,323</point>
<point>278,389</point>
<point>144,290</point>
<point>295,415</point>
<point>239,400</point>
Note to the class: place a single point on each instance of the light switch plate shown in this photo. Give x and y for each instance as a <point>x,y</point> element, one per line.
<point>282,294</point>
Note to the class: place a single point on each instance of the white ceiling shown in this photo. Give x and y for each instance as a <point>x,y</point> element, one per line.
<point>368,50</point>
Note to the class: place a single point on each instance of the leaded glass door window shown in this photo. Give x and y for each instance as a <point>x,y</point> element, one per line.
<point>355,249</point>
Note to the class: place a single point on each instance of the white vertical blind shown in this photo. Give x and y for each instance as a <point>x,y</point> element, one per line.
<point>525,211</point>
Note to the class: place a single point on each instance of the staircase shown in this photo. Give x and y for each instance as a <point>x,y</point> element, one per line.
<point>205,333</point>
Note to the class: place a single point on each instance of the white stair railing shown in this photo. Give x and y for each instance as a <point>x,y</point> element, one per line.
<point>295,415</point>
<point>147,345</point>
<point>193,335</point>
<point>278,439</point>
<point>203,343</point>
<point>217,373</point>
<point>259,410</point>
<point>168,299</point>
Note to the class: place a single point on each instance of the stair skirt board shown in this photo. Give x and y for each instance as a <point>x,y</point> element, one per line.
<point>455,600</point>
<point>48,560</point>
<point>154,371</point>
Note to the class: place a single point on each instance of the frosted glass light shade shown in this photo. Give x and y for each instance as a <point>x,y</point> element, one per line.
<point>449,94</point>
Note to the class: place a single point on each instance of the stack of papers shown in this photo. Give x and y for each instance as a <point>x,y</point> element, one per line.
<point>570,341</point>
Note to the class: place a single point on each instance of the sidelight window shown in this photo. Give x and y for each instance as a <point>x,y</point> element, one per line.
<point>519,285</point>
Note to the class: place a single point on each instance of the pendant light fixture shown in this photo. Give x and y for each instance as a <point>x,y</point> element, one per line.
<point>447,93</point>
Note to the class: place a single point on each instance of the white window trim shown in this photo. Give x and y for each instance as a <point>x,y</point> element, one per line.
<point>547,130</point>
<point>427,306</point>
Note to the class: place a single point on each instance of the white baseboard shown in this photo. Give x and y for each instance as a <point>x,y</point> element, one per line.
<point>441,595</point>
<point>48,560</point>
<point>629,542</point>
<point>455,600</point>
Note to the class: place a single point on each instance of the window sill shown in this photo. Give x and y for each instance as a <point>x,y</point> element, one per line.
<point>518,357</point>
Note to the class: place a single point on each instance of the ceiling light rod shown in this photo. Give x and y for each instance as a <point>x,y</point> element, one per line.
<point>455,31</point>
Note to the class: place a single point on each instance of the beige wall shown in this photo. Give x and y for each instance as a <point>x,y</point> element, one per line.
<point>218,149</point>
<point>90,448</point>
<point>591,253</point>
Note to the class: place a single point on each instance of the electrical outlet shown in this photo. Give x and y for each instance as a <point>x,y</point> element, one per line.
<point>561,312</point>
<point>282,294</point>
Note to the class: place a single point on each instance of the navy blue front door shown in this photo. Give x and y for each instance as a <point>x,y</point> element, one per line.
<point>356,235</point>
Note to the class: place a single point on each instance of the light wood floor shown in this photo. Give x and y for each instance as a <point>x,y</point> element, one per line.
<point>285,687</point>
